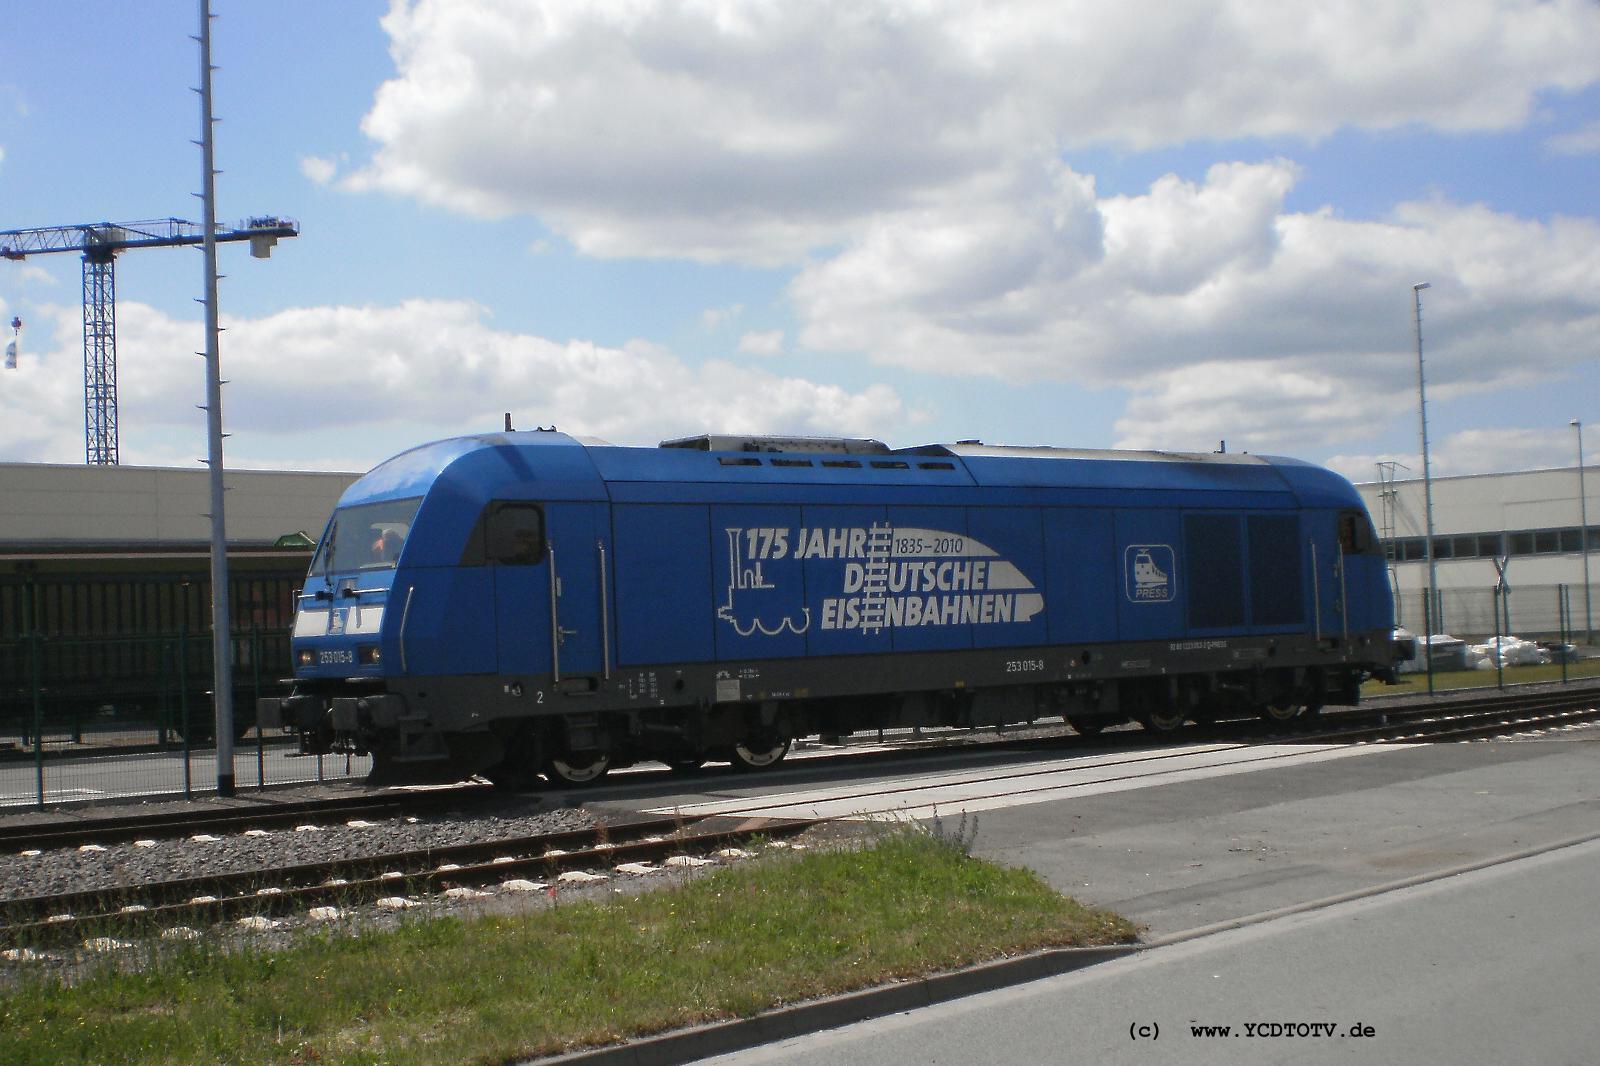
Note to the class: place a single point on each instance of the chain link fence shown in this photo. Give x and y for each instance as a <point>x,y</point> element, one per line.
<point>1552,613</point>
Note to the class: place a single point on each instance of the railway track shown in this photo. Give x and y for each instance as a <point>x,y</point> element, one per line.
<point>1100,769</point>
<point>513,864</point>
<point>1455,716</point>
<point>118,829</point>
<point>533,863</point>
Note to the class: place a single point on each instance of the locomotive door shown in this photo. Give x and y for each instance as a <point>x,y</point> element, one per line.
<point>579,548</point>
<point>1329,582</point>
<point>549,588</point>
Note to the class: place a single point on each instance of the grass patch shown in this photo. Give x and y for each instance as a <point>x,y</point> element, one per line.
<point>1456,679</point>
<point>787,928</point>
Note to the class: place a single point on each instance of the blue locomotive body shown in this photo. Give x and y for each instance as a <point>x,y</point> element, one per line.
<point>526,602</point>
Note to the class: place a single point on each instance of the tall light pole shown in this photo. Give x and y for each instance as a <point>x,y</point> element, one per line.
<point>1583,537</point>
<point>1427,476</point>
<point>221,615</point>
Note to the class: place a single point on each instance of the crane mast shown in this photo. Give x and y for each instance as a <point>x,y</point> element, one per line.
<point>100,242</point>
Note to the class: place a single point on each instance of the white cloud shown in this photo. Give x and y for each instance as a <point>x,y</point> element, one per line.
<point>318,169</point>
<point>373,380</point>
<point>1473,451</point>
<point>1585,140</point>
<point>1224,315</point>
<point>713,317</point>
<point>765,343</point>
<point>721,129</point>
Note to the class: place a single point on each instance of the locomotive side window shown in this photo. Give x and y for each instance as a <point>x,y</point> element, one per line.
<point>1356,536</point>
<point>514,534</point>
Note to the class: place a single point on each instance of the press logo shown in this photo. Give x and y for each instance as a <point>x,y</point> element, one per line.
<point>1150,573</point>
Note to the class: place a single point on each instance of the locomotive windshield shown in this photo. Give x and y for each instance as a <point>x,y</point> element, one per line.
<point>367,537</point>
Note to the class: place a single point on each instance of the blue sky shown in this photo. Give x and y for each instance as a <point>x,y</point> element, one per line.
<point>1159,226</point>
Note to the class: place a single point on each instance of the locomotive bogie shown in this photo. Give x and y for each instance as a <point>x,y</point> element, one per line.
<point>526,603</point>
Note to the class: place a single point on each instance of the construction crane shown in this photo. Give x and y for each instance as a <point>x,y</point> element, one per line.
<point>100,242</point>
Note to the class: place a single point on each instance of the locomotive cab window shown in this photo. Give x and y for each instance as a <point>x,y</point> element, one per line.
<point>508,533</point>
<point>366,537</point>
<point>1356,536</point>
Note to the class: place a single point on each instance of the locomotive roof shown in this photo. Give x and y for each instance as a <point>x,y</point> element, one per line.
<point>556,465</point>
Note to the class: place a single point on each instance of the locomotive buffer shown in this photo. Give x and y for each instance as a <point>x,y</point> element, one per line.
<point>100,242</point>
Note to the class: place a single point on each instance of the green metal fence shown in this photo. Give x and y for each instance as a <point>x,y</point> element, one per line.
<point>106,684</point>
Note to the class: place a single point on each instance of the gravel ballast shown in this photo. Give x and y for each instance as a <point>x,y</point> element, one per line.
<point>118,865</point>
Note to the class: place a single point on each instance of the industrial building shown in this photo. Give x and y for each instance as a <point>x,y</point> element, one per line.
<point>57,516</point>
<point>1530,523</point>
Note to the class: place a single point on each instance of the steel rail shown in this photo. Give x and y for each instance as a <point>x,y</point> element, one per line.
<point>355,882</point>
<point>167,825</point>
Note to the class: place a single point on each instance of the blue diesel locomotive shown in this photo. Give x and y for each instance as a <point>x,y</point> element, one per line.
<point>525,603</point>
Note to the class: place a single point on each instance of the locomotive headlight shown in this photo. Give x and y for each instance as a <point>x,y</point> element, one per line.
<point>305,657</point>
<point>369,655</point>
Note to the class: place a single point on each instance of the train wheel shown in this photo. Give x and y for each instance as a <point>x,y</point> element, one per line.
<point>760,750</point>
<point>1087,726</point>
<point>1282,713</point>
<point>1162,721</point>
<point>518,769</point>
<point>575,771</point>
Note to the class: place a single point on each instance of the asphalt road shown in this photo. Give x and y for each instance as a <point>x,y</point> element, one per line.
<point>1495,966</point>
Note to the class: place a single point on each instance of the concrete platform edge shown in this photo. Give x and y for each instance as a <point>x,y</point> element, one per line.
<point>686,1045</point>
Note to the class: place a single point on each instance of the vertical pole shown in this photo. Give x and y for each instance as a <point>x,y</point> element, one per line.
<point>164,654</point>
<point>221,617</point>
<point>38,697</point>
<point>1427,474</point>
<point>1427,621</point>
<point>1499,649</point>
<point>1583,539</point>
<point>255,687</point>
<point>1561,626</point>
<point>183,702</point>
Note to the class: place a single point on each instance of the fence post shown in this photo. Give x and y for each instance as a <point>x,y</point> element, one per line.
<point>1499,649</point>
<point>255,683</point>
<point>164,716</point>
<point>38,694</point>
<point>183,704</point>
<point>1563,605</point>
<point>1427,627</point>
